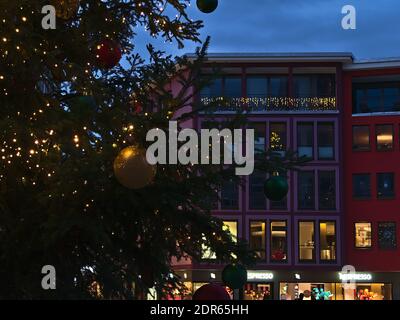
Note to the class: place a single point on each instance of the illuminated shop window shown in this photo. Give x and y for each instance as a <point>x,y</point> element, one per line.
<point>306,241</point>
<point>384,137</point>
<point>363,235</point>
<point>257,239</point>
<point>385,185</point>
<point>327,240</point>
<point>361,138</point>
<point>279,241</point>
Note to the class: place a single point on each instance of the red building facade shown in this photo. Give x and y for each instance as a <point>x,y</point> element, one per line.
<point>372,168</point>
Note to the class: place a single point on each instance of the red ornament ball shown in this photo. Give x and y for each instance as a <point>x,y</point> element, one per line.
<point>108,53</point>
<point>211,292</point>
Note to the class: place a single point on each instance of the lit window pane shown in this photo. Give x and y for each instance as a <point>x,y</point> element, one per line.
<point>231,227</point>
<point>363,237</point>
<point>327,231</point>
<point>361,139</point>
<point>257,238</point>
<point>384,137</point>
<point>278,241</point>
<point>306,241</point>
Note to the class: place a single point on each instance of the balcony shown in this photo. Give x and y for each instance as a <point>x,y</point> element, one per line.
<point>271,93</point>
<point>268,104</point>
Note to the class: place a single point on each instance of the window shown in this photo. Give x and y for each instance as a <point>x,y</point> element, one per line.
<point>231,227</point>
<point>257,87</point>
<point>278,86</point>
<point>281,204</point>
<point>306,241</point>
<point>327,190</point>
<point>233,87</point>
<point>214,89</point>
<point>363,235</point>
<point>305,139</point>
<point>277,137</point>
<point>361,140</point>
<point>257,239</point>
<point>376,97</point>
<point>259,136</point>
<point>326,140</point>
<point>230,196</point>
<point>257,200</point>
<point>361,186</point>
<point>327,240</point>
<point>318,85</point>
<point>279,241</point>
<point>384,137</point>
<point>385,185</point>
<point>305,190</point>
<point>387,235</point>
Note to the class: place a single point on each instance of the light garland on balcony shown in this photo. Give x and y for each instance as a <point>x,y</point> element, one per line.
<point>273,103</point>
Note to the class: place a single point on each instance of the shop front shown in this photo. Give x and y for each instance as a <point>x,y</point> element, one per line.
<point>292,285</point>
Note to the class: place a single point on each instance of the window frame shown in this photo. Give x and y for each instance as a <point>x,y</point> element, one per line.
<point>323,261</point>
<point>396,238</point>
<point>333,124</point>
<point>376,137</point>
<point>266,237</point>
<point>270,241</point>
<point>314,259</point>
<point>355,233</point>
<point>354,197</point>
<point>369,138</point>
<point>394,186</point>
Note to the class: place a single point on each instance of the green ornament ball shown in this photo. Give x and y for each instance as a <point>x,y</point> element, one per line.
<point>276,188</point>
<point>207,6</point>
<point>234,276</point>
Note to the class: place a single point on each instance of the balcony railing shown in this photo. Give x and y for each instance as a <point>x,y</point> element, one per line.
<point>269,104</point>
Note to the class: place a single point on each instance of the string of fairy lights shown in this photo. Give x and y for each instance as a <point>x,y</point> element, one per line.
<point>273,103</point>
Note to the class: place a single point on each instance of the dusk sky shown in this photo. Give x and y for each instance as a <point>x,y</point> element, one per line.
<point>296,26</point>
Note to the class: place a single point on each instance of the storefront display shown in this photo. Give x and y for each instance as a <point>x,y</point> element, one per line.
<point>337,291</point>
<point>258,291</point>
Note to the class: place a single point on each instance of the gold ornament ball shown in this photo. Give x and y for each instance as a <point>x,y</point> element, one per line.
<point>132,169</point>
<point>66,9</point>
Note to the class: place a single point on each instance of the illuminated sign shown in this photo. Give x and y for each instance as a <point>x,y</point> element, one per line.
<point>355,276</point>
<point>259,275</point>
